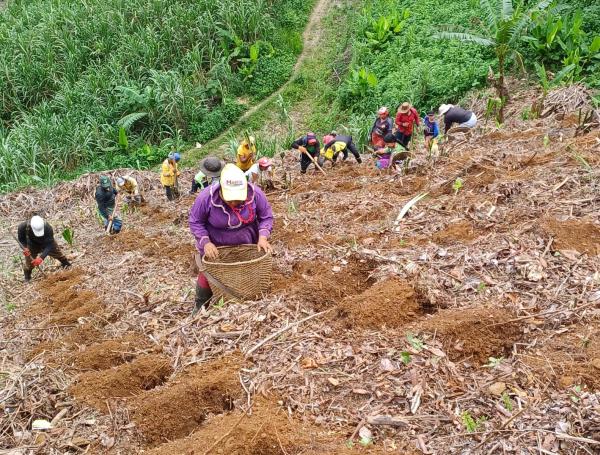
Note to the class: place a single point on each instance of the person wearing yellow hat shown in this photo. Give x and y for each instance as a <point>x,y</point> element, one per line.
<point>36,239</point>
<point>231,212</point>
<point>246,153</point>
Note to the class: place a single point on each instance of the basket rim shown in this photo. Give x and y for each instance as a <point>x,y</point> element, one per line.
<point>231,264</point>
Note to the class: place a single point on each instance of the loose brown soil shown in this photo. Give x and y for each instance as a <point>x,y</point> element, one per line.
<point>568,359</point>
<point>144,373</point>
<point>177,409</point>
<point>459,232</point>
<point>107,354</point>
<point>477,333</point>
<point>317,283</point>
<point>574,235</point>
<point>389,303</point>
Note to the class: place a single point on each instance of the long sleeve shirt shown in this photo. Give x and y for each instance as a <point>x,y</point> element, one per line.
<point>346,140</point>
<point>456,115</point>
<point>411,117</point>
<point>382,127</point>
<point>105,198</point>
<point>42,245</point>
<point>169,173</point>
<point>431,128</point>
<point>303,142</point>
<point>130,186</point>
<point>212,220</point>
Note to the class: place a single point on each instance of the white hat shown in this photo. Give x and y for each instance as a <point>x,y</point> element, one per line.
<point>37,226</point>
<point>234,186</point>
<point>120,181</point>
<point>444,108</point>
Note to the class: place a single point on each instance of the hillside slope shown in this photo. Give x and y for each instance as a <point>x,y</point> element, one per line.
<point>472,324</point>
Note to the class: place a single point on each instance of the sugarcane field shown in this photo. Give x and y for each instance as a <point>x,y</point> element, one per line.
<point>338,268</point>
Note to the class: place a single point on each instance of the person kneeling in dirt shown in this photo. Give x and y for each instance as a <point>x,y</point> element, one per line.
<point>36,238</point>
<point>106,201</point>
<point>210,170</point>
<point>261,174</point>
<point>169,176</point>
<point>232,212</point>
<point>129,187</point>
<point>309,147</point>
<point>455,114</point>
<point>391,151</point>
<point>341,144</point>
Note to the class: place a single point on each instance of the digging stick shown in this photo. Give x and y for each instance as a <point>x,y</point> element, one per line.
<point>315,163</point>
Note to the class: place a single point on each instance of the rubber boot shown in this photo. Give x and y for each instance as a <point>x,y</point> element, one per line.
<point>27,274</point>
<point>203,296</point>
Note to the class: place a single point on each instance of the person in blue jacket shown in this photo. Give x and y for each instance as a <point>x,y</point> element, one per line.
<point>431,129</point>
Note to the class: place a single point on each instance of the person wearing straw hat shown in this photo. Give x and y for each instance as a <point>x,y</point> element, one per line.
<point>210,170</point>
<point>231,212</point>
<point>457,115</point>
<point>36,239</point>
<point>383,125</point>
<point>406,117</point>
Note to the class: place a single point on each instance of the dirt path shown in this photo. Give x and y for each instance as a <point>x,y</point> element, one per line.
<point>311,38</point>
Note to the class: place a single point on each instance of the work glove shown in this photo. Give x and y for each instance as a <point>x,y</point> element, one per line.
<point>26,252</point>
<point>37,262</point>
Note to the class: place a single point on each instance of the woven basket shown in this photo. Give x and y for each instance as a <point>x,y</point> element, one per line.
<point>240,272</point>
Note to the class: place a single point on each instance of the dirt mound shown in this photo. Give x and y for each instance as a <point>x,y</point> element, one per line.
<point>569,359</point>
<point>75,305</point>
<point>132,239</point>
<point>574,235</point>
<point>479,333</point>
<point>144,373</point>
<point>324,284</point>
<point>177,409</point>
<point>267,431</point>
<point>389,303</point>
<point>80,335</point>
<point>107,354</point>
<point>461,231</point>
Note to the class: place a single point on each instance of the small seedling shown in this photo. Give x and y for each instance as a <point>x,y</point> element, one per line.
<point>68,234</point>
<point>292,208</point>
<point>10,307</point>
<point>415,342</point>
<point>575,395</point>
<point>457,185</point>
<point>481,287</point>
<point>471,424</point>
<point>220,304</point>
<point>507,402</point>
<point>546,141</point>
<point>405,357</point>
<point>494,362</point>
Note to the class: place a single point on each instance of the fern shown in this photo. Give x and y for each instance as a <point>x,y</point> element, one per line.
<point>127,122</point>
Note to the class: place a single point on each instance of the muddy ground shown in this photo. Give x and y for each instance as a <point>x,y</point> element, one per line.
<point>471,326</point>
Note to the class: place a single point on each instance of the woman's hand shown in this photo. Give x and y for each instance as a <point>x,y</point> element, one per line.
<point>264,244</point>
<point>211,251</point>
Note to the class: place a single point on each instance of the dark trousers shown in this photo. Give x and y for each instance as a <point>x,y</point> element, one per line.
<point>402,139</point>
<point>305,161</point>
<point>352,148</point>
<point>55,253</point>
<point>172,192</point>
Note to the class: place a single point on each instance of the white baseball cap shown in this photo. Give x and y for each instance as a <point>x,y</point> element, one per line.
<point>234,186</point>
<point>37,226</point>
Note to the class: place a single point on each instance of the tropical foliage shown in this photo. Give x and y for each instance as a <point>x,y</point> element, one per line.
<point>106,83</point>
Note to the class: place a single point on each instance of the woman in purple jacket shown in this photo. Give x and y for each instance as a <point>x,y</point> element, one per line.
<point>233,212</point>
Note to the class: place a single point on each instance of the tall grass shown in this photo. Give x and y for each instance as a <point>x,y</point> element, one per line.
<point>71,70</point>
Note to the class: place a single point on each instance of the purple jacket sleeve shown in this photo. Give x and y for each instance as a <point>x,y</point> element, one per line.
<point>264,214</point>
<point>199,219</point>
